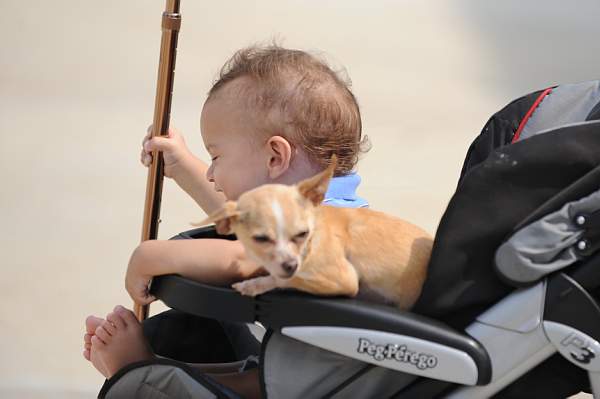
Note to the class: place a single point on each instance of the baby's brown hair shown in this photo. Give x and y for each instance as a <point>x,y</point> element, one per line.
<point>302,99</point>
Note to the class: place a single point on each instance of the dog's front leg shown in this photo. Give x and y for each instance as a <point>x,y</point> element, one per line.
<point>255,286</point>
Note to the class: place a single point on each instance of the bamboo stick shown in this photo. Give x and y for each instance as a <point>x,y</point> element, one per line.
<point>171,21</point>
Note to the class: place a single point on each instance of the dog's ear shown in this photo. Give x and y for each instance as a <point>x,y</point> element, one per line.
<point>223,218</point>
<point>314,188</point>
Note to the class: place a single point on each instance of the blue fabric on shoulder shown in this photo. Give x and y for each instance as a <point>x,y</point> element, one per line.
<point>342,192</point>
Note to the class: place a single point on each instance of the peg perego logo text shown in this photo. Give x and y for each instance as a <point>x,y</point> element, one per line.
<point>400,353</point>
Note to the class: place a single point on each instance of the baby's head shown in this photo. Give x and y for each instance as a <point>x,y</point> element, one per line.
<point>277,116</point>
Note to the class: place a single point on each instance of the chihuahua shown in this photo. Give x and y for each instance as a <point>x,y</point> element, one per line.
<point>325,250</point>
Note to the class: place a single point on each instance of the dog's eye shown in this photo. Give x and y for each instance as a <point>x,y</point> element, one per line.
<point>261,238</point>
<point>300,236</point>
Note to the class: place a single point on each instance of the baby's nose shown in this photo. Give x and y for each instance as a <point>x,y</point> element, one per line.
<point>289,266</point>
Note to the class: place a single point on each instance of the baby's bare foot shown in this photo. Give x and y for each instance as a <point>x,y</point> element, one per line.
<point>91,323</point>
<point>118,341</point>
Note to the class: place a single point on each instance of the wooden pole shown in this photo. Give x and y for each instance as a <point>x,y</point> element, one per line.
<point>171,21</point>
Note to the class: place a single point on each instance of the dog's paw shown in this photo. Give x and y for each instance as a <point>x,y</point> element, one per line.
<point>248,288</point>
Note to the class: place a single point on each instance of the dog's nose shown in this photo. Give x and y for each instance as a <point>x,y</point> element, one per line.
<point>290,266</point>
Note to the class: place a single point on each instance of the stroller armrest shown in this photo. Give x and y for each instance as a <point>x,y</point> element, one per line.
<point>293,311</point>
<point>204,300</point>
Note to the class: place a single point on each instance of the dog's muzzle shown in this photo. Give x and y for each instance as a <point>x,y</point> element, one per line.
<point>289,267</point>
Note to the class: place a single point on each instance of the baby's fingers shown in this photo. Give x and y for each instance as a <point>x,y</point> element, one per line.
<point>149,299</point>
<point>145,158</point>
<point>138,289</point>
<point>144,298</point>
<point>148,135</point>
<point>159,144</point>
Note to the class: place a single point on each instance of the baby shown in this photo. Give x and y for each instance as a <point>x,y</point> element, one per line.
<point>274,116</point>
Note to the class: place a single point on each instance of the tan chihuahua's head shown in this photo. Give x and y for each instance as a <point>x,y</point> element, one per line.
<point>274,221</point>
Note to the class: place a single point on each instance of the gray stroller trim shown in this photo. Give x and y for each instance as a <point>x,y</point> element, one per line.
<point>550,243</point>
<point>162,379</point>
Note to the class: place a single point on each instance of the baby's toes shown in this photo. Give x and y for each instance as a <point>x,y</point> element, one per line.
<point>97,343</point>
<point>109,327</point>
<point>91,323</point>
<point>116,320</point>
<point>87,346</point>
<point>127,315</point>
<point>102,334</point>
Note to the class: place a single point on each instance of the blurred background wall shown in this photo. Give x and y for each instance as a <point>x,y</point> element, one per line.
<point>77,82</point>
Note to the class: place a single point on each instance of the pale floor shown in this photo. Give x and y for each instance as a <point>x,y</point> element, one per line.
<point>76,95</point>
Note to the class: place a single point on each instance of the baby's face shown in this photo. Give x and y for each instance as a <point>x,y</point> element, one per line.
<point>239,158</point>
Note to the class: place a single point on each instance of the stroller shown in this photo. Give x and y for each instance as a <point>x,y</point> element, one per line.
<point>509,306</point>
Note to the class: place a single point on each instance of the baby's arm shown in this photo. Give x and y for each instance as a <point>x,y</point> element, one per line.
<point>211,261</point>
<point>188,171</point>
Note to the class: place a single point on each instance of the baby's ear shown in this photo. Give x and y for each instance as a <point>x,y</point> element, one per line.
<point>223,218</point>
<point>314,188</point>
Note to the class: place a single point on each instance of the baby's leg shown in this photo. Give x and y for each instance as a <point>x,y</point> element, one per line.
<point>117,342</point>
